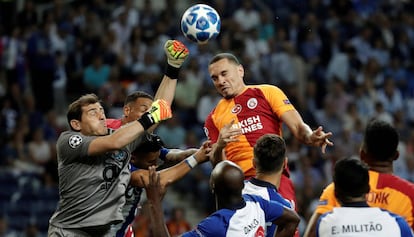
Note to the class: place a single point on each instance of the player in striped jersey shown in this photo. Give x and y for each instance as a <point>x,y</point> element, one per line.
<point>387,191</point>
<point>269,161</point>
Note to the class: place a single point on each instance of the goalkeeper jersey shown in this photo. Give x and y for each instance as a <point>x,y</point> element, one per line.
<point>388,191</point>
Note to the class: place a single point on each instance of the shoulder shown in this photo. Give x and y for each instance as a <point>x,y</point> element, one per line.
<point>391,181</point>
<point>73,139</point>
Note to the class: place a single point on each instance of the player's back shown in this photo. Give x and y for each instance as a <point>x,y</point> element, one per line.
<point>387,191</point>
<point>268,192</point>
<point>392,193</point>
<point>362,222</point>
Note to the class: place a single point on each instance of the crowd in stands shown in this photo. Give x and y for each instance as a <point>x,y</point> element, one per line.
<point>341,62</point>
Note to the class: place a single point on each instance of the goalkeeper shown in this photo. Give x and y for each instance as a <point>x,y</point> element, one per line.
<point>93,166</point>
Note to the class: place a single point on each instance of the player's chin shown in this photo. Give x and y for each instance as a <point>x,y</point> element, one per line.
<point>103,131</point>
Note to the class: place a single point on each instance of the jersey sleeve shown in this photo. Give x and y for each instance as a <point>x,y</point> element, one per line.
<point>277,99</point>
<point>72,146</point>
<point>327,200</point>
<point>211,226</point>
<point>273,209</point>
<point>404,227</point>
<point>210,129</point>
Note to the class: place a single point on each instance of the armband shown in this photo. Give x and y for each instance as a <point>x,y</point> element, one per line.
<point>191,161</point>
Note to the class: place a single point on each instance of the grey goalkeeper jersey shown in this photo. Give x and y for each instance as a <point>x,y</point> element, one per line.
<point>91,188</point>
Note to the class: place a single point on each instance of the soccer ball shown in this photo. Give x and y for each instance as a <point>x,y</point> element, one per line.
<point>200,23</point>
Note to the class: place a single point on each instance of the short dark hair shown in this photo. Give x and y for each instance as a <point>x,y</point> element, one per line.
<point>269,153</point>
<point>75,108</point>
<point>229,56</point>
<point>135,95</point>
<point>351,179</point>
<point>380,140</point>
<point>150,142</point>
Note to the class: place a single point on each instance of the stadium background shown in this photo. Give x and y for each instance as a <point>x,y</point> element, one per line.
<point>341,63</point>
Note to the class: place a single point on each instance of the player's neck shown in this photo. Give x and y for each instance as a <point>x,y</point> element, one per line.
<point>270,178</point>
<point>385,167</point>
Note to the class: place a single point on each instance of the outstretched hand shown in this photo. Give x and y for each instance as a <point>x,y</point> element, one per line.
<point>321,138</point>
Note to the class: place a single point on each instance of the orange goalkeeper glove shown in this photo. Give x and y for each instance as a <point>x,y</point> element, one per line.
<point>176,53</point>
<point>160,111</point>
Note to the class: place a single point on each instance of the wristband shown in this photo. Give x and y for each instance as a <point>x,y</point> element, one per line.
<point>172,72</point>
<point>191,161</point>
<point>146,120</point>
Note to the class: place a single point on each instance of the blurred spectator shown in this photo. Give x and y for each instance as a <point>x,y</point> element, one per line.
<point>39,149</point>
<point>41,60</point>
<point>172,132</point>
<point>96,74</point>
<point>177,223</point>
<point>247,17</point>
<point>390,96</point>
<point>4,228</point>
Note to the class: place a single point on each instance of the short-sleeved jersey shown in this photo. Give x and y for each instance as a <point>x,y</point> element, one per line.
<point>248,219</point>
<point>256,111</point>
<point>267,191</point>
<point>387,191</point>
<point>91,188</point>
<point>362,222</point>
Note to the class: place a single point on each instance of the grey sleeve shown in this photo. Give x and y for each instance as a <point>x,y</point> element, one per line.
<point>72,146</point>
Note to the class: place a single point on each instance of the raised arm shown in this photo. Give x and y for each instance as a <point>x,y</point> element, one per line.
<point>304,133</point>
<point>170,175</point>
<point>155,191</point>
<point>160,111</point>
<point>176,53</point>
<point>177,155</point>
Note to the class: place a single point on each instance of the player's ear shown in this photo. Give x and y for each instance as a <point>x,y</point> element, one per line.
<point>285,163</point>
<point>240,69</point>
<point>75,124</point>
<point>127,110</point>
<point>396,155</point>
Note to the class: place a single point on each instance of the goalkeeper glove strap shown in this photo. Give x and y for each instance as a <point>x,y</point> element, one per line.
<point>146,120</point>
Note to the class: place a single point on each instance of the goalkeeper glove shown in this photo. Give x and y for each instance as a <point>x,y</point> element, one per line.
<point>160,111</point>
<point>176,53</point>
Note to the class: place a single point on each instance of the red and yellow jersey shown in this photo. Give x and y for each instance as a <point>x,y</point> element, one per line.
<point>257,112</point>
<point>388,191</point>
